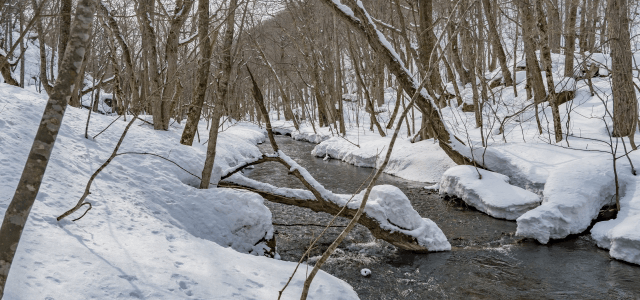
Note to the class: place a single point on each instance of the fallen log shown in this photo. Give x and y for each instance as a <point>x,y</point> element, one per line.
<point>306,199</point>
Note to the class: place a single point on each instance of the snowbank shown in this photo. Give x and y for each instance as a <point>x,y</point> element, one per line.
<point>573,196</point>
<point>150,234</point>
<point>492,194</point>
<point>423,161</point>
<point>306,132</point>
<point>622,234</point>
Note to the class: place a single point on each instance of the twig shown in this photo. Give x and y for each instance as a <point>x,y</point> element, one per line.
<point>85,212</point>
<point>95,174</point>
<point>319,225</point>
<point>116,119</point>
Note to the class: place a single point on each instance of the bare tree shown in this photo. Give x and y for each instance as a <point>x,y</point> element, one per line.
<point>17,213</point>
<point>625,107</point>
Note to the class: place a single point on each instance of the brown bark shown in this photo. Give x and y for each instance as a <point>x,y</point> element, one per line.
<point>17,213</point>
<point>5,69</point>
<point>591,25</point>
<point>555,24</point>
<point>223,95</point>
<point>427,43</point>
<point>496,45</point>
<point>79,83</point>
<point>43,55</point>
<point>195,109</point>
<point>533,66</point>
<point>625,107</point>
<point>360,22</point>
<point>545,55</point>
<point>115,32</point>
<point>171,58</point>
<point>146,15</point>
<point>65,26</point>
<point>570,37</point>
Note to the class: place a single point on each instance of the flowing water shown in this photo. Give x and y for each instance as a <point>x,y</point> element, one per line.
<point>487,261</point>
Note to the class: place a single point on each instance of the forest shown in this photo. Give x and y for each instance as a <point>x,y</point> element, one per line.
<point>319,149</point>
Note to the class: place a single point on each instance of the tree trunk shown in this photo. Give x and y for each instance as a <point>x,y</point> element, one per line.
<point>555,24</point>
<point>17,213</point>
<point>171,58</point>
<point>625,107</point>
<point>427,43</point>
<point>115,32</point>
<point>43,54</point>
<point>545,54</point>
<point>360,22</point>
<point>494,37</point>
<point>570,37</point>
<point>146,11</point>
<point>223,95</point>
<point>533,66</point>
<point>195,109</point>
<point>65,26</point>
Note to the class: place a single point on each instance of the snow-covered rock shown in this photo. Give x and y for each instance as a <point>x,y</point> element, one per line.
<point>573,196</point>
<point>492,194</point>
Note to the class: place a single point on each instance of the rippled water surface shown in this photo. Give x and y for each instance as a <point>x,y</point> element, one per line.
<point>487,260</point>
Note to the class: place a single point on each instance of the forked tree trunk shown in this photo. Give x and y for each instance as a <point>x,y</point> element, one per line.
<point>534,78</point>
<point>17,213</point>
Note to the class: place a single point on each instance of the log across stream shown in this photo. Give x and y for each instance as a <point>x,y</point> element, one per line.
<point>487,260</point>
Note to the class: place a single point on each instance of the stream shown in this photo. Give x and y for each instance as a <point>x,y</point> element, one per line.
<point>487,260</point>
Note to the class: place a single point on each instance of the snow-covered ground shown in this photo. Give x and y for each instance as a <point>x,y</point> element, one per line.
<point>150,234</point>
<point>574,178</point>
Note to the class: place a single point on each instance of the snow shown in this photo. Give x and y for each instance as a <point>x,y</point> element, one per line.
<point>365,272</point>
<point>492,194</point>
<point>423,161</point>
<point>387,204</point>
<point>393,210</point>
<point>559,173</point>
<point>573,196</point>
<point>622,234</point>
<point>150,234</point>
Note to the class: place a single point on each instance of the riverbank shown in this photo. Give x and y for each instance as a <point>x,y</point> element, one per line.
<point>487,259</point>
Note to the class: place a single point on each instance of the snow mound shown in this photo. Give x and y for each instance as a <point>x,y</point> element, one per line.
<point>573,196</point>
<point>492,194</point>
<point>622,234</point>
<point>149,235</point>
<point>423,161</point>
<point>392,209</point>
